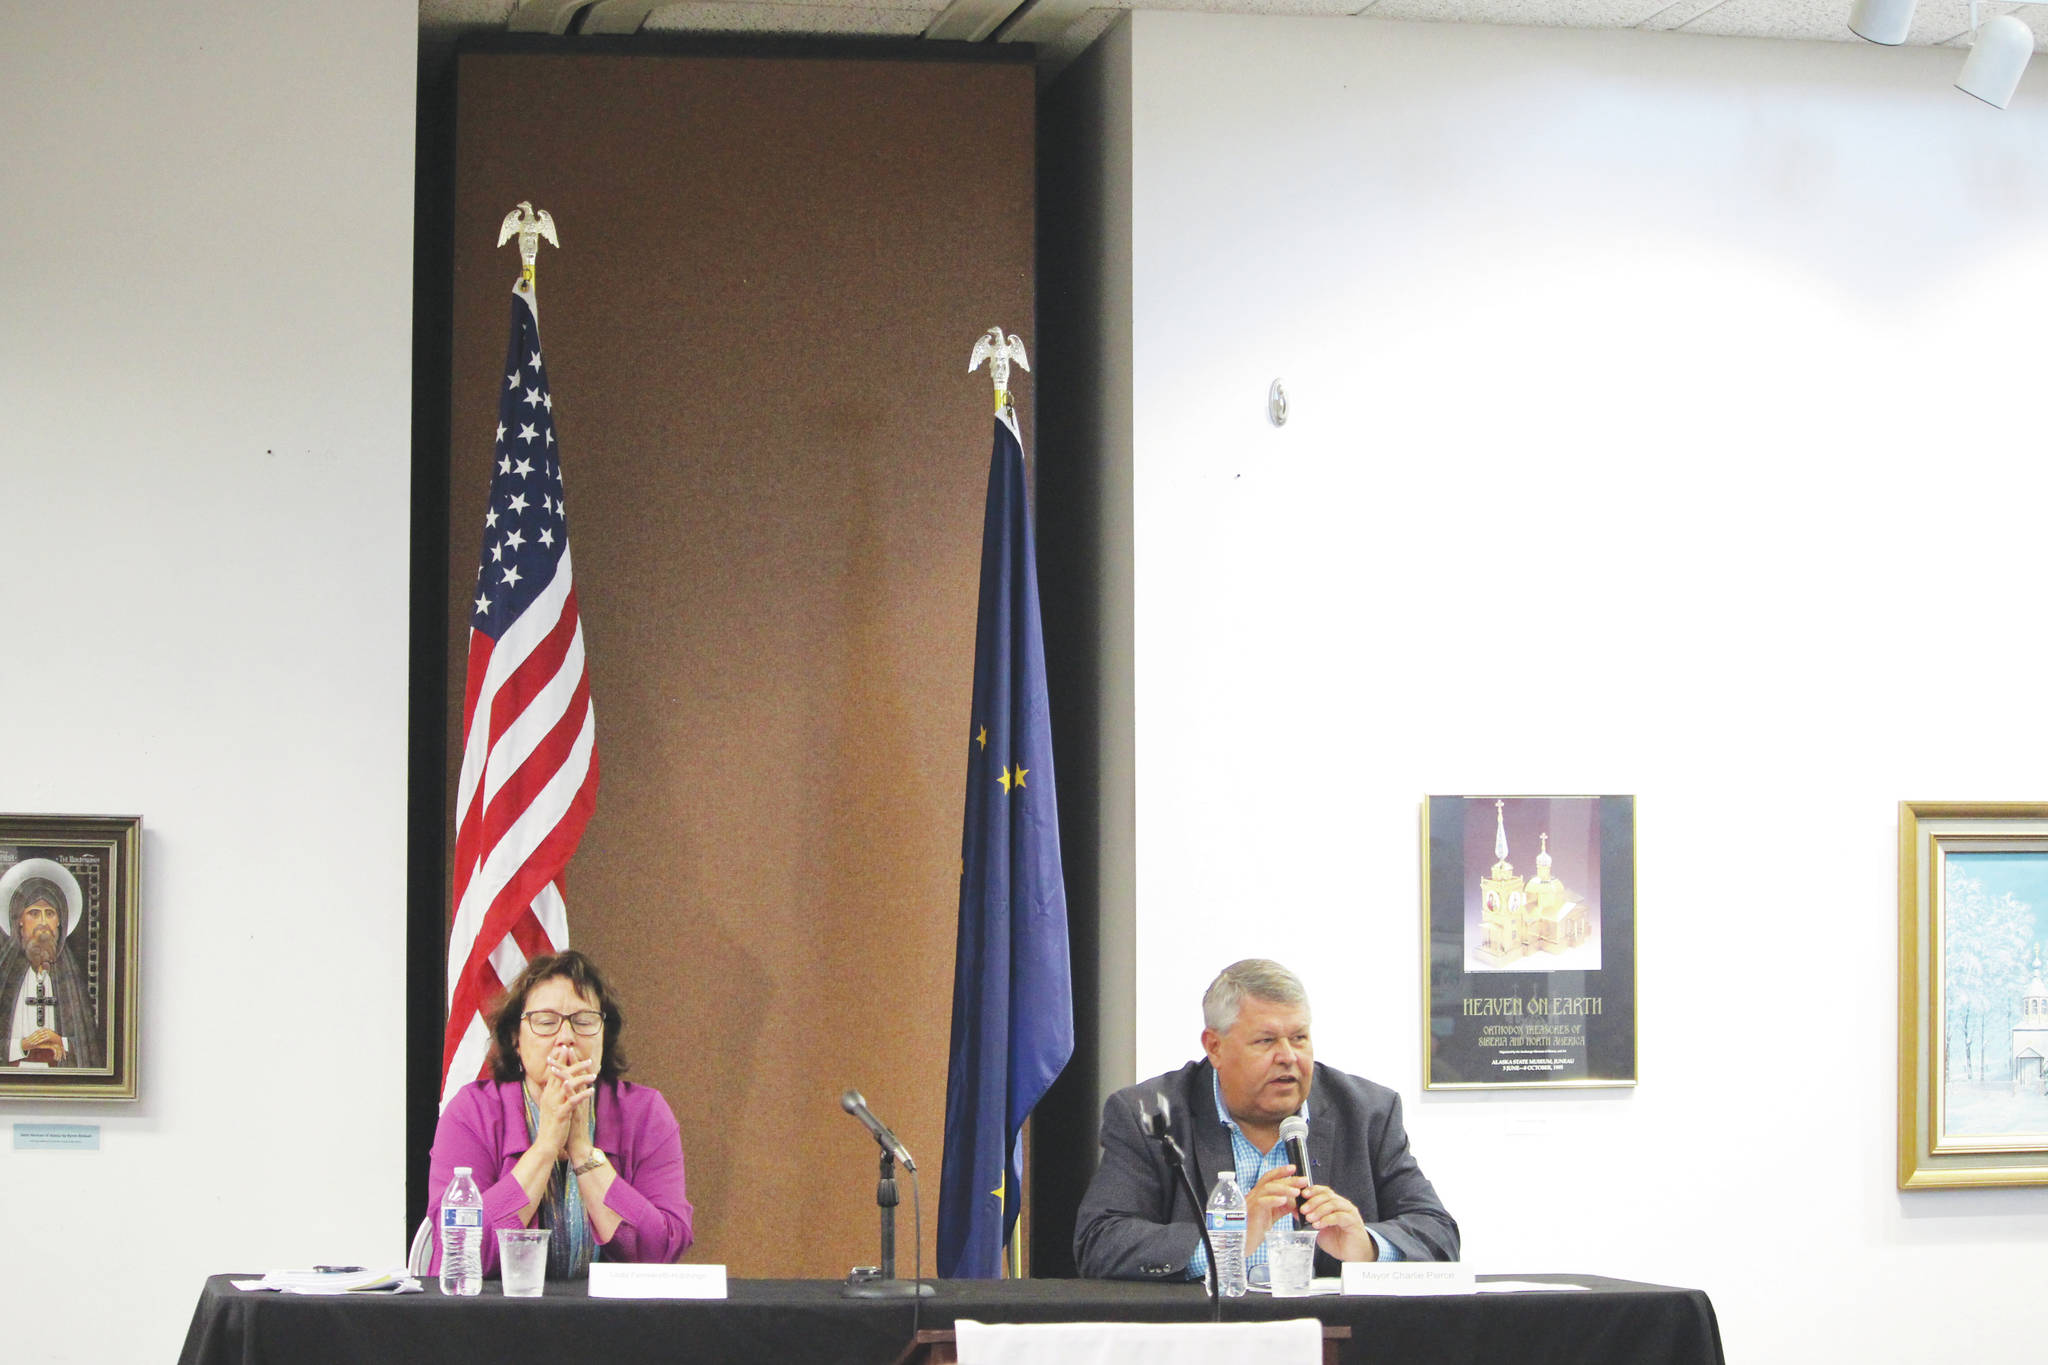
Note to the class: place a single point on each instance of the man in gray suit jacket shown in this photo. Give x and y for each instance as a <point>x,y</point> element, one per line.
<point>1368,1200</point>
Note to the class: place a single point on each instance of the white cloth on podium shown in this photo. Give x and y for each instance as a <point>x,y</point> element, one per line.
<point>1298,1341</point>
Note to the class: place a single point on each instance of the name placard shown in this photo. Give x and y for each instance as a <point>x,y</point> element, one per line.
<point>57,1137</point>
<point>619,1280</point>
<point>1406,1277</point>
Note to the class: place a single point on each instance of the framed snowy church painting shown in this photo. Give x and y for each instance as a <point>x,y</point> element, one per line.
<point>68,891</point>
<point>1973,994</point>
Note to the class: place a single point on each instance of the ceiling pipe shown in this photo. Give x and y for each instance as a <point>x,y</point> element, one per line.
<point>543,16</point>
<point>971,21</point>
<point>616,16</point>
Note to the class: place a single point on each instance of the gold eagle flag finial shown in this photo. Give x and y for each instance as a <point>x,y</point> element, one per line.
<point>530,227</point>
<point>999,351</point>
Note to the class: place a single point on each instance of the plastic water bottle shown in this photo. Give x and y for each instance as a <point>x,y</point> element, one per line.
<point>462,1236</point>
<point>1226,1231</point>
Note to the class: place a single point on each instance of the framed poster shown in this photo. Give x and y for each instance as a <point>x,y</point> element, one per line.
<point>1529,914</point>
<point>68,892</point>
<point>1973,1000</point>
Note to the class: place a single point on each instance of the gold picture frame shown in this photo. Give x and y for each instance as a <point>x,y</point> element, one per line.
<point>1973,1003</point>
<point>68,1021</point>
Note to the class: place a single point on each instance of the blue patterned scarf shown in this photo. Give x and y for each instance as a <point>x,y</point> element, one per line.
<point>571,1247</point>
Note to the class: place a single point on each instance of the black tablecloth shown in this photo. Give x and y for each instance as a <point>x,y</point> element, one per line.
<point>1610,1322</point>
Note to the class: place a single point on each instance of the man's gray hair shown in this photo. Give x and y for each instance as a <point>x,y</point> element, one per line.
<point>1259,977</point>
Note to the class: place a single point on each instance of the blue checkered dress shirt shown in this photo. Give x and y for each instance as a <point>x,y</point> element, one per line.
<point>1251,1165</point>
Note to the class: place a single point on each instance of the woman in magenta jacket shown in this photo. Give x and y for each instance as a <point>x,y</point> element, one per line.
<point>555,1139</point>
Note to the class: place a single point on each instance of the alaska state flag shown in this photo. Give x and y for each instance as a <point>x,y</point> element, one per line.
<point>1013,994</point>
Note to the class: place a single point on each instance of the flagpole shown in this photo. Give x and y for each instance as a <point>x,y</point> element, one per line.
<point>1012,981</point>
<point>507,876</point>
<point>1014,1263</point>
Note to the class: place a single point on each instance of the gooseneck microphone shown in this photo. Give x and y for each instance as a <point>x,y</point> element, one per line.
<point>853,1103</point>
<point>1157,1125</point>
<point>893,1151</point>
<point>1294,1132</point>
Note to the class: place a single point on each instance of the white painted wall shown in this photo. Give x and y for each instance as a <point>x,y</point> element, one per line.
<point>1663,423</point>
<point>205,356</point>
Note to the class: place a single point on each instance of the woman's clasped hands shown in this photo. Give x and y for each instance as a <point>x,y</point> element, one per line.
<point>562,1102</point>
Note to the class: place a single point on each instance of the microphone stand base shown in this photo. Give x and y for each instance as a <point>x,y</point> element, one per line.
<point>888,1289</point>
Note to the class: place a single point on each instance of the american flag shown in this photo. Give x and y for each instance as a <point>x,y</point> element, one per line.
<point>529,750</point>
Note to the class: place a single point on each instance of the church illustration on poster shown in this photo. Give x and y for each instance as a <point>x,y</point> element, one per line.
<point>1533,924</point>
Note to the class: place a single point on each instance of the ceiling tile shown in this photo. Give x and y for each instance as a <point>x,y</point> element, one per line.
<point>1825,19</point>
<point>821,18</point>
<point>1322,8</point>
<point>439,14</point>
<point>1059,25</point>
<point>1538,13</point>
<point>1677,14</point>
<point>2033,16</point>
<point>1934,21</point>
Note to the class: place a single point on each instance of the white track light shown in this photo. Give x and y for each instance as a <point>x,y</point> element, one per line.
<point>1882,21</point>
<point>1997,57</point>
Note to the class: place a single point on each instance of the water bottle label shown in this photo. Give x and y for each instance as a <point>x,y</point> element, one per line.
<point>462,1218</point>
<point>1226,1220</point>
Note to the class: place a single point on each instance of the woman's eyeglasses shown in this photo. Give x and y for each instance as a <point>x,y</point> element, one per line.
<point>547,1023</point>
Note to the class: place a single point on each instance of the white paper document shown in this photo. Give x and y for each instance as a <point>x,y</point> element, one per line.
<point>622,1280</point>
<point>1527,1287</point>
<point>334,1282</point>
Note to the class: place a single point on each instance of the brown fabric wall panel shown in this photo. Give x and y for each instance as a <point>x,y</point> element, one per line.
<point>772,270</point>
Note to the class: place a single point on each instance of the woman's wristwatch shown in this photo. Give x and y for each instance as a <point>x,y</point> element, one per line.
<point>595,1160</point>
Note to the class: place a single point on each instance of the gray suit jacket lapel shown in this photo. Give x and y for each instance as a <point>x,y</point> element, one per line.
<point>1326,1135</point>
<point>1211,1152</point>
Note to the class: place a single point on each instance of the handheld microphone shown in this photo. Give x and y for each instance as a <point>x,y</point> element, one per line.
<point>1294,1132</point>
<point>853,1103</point>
